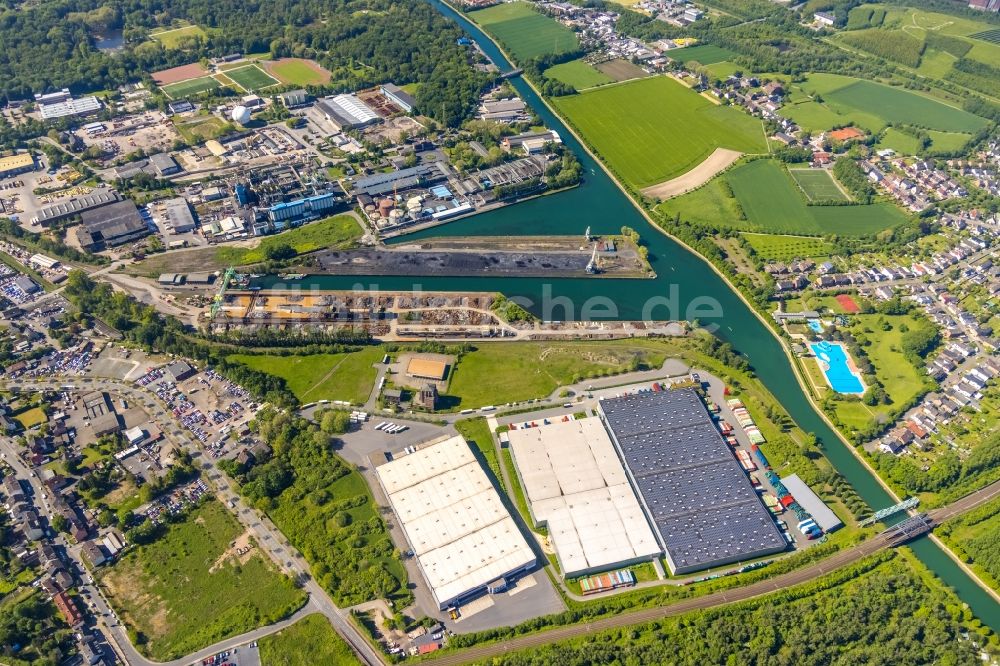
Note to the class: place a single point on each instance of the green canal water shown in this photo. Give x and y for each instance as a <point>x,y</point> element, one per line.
<point>685,288</point>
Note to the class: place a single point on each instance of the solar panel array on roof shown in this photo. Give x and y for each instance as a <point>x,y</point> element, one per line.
<point>704,508</point>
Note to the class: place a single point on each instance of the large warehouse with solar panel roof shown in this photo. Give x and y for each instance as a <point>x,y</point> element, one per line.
<point>702,507</point>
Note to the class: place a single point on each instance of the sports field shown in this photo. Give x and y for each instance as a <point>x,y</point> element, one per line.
<point>251,78</point>
<point>847,100</point>
<point>818,185</point>
<point>524,32</point>
<point>706,54</point>
<point>653,129</point>
<point>190,87</point>
<point>298,72</point>
<point>578,74</point>
<point>171,37</point>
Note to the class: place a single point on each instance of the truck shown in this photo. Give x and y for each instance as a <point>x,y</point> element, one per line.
<point>761,458</point>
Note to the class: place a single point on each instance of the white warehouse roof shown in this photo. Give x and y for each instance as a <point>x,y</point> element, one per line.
<point>460,533</point>
<point>817,508</point>
<point>576,485</point>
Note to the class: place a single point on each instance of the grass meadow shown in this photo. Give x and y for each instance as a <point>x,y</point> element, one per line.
<point>786,248</point>
<point>761,196</point>
<point>524,32</point>
<point>171,37</point>
<point>309,641</point>
<point>818,185</point>
<point>347,376</point>
<point>846,100</point>
<point>337,232</point>
<point>706,54</point>
<point>578,74</point>
<point>187,590</point>
<point>653,129</point>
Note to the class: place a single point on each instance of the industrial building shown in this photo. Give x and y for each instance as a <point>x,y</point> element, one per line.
<point>817,508</point>
<point>177,214</point>
<point>65,209</point>
<point>577,487</point>
<point>461,534</point>
<point>399,97</point>
<point>15,164</point>
<point>701,504</point>
<point>345,112</point>
<point>61,105</point>
<point>301,209</point>
<point>294,98</point>
<point>111,225</point>
<point>427,368</point>
<point>380,184</point>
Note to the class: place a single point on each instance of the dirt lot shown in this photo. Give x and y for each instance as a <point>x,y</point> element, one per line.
<point>182,73</point>
<point>621,70</point>
<point>716,163</point>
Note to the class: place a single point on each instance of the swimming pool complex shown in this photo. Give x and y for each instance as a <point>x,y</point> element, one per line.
<point>835,364</point>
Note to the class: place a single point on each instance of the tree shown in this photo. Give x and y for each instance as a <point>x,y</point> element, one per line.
<point>279,252</point>
<point>335,422</point>
<point>60,523</point>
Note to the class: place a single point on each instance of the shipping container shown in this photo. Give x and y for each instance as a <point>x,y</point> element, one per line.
<point>761,458</point>
<point>745,460</point>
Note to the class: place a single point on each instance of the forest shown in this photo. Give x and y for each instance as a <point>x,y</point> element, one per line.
<point>324,509</point>
<point>50,45</point>
<point>890,615</point>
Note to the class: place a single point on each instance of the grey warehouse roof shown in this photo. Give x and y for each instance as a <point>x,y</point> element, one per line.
<point>700,500</point>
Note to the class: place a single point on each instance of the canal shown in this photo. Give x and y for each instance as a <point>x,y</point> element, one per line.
<point>685,288</point>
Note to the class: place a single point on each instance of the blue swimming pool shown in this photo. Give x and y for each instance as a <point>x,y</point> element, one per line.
<point>833,362</point>
<point>816,325</point>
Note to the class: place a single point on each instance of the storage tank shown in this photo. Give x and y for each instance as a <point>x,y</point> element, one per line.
<point>385,207</point>
<point>241,114</point>
<point>396,214</point>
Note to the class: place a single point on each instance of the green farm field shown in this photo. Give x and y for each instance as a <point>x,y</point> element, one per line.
<point>786,248</point>
<point>874,105</point>
<point>524,32</point>
<point>578,74</point>
<point>251,78</point>
<point>197,86</point>
<point>309,641</point>
<point>654,129</point>
<point>188,589</point>
<point>771,202</point>
<point>818,185</point>
<point>706,54</point>
<point>348,376</point>
<point>171,37</point>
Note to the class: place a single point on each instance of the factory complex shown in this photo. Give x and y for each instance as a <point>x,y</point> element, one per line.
<point>701,504</point>
<point>463,538</point>
<point>577,487</point>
